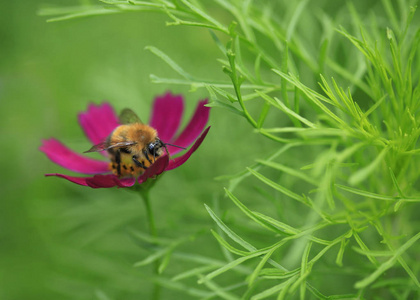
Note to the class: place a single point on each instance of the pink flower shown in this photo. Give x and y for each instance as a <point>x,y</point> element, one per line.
<point>99,121</point>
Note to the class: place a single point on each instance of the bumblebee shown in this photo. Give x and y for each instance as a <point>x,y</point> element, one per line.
<point>132,146</point>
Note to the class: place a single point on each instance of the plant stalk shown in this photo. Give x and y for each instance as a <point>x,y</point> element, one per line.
<point>144,194</point>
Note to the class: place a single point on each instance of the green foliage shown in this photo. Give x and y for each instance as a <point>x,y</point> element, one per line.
<point>336,94</point>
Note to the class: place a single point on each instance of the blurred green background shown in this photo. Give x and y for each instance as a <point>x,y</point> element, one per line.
<point>63,241</point>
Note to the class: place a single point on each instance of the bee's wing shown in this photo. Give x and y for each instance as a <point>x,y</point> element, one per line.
<point>105,146</point>
<point>127,116</point>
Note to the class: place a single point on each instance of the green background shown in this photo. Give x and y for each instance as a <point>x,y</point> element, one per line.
<point>59,240</point>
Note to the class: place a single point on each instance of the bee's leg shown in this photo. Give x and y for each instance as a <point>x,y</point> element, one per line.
<point>147,156</point>
<point>138,163</point>
<point>118,161</point>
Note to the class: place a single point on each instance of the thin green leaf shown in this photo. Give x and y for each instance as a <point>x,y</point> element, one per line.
<point>228,231</point>
<point>388,264</point>
<point>283,81</point>
<point>219,44</point>
<point>315,97</point>
<point>340,254</point>
<point>100,295</point>
<point>88,12</point>
<point>344,296</point>
<point>362,245</point>
<point>223,292</point>
<point>284,228</point>
<point>165,262</point>
<point>261,264</point>
<point>231,108</point>
<point>205,16</point>
<point>347,74</point>
<point>257,68</point>
<point>278,187</point>
<point>193,272</point>
<point>230,265</point>
<point>373,253</point>
<point>204,260</point>
<point>237,178</point>
<point>363,173</point>
<point>273,290</point>
<point>179,286</point>
<point>251,214</point>
<point>194,82</point>
<point>273,273</point>
<point>305,270</point>
<point>396,185</point>
<point>263,114</point>
<point>237,238</point>
<point>376,196</point>
<point>277,103</point>
<point>170,62</point>
<point>151,258</point>
<point>227,246</point>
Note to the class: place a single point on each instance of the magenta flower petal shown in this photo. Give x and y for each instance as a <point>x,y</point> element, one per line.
<point>193,129</point>
<point>176,162</point>
<point>108,181</point>
<point>126,182</point>
<point>98,181</point>
<point>77,180</point>
<point>166,115</point>
<point>71,160</point>
<point>98,122</point>
<point>156,169</point>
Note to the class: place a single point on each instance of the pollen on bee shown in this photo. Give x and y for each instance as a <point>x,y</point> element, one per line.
<point>126,170</point>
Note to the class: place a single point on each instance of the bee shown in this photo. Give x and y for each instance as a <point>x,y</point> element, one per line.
<point>132,146</point>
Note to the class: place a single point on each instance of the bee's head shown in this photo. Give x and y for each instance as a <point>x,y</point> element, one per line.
<point>155,147</point>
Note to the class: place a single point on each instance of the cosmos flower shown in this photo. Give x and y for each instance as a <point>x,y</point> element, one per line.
<point>99,121</point>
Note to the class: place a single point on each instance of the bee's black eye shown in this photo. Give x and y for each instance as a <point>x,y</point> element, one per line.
<point>152,147</point>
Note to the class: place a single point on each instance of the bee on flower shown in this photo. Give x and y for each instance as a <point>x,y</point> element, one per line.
<point>135,151</point>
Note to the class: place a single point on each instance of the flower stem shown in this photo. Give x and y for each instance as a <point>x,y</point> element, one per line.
<point>144,193</point>
<point>149,212</point>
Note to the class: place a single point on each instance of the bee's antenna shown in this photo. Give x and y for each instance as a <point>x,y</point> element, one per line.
<point>166,148</point>
<point>167,144</point>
